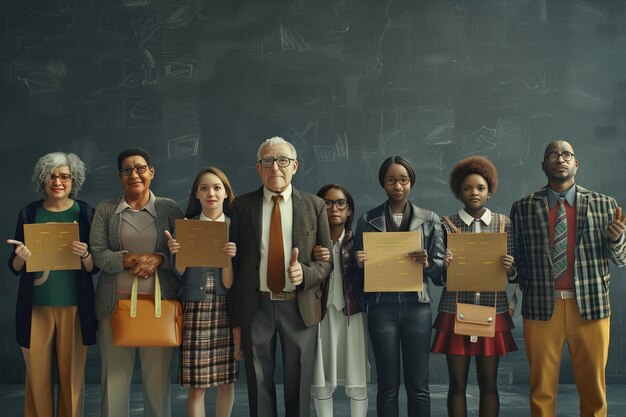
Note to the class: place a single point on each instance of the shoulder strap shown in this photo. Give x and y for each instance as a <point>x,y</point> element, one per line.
<point>502,222</point>
<point>450,224</point>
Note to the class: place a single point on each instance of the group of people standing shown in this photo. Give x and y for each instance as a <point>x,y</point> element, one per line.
<point>295,276</point>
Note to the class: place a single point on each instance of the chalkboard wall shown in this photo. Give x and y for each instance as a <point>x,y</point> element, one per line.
<point>349,82</point>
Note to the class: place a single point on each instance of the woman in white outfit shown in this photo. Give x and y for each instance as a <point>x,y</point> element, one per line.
<point>341,352</point>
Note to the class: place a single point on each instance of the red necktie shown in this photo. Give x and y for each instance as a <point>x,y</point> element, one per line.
<point>276,252</point>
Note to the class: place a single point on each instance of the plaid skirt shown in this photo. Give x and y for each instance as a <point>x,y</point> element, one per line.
<point>207,354</point>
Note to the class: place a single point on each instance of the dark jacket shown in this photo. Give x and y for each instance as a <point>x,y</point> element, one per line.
<point>352,286</point>
<point>428,224</point>
<point>310,228</point>
<point>84,283</point>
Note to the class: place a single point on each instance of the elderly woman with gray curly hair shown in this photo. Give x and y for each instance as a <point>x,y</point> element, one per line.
<point>54,317</point>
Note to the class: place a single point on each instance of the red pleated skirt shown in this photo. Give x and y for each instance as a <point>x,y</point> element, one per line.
<point>446,341</point>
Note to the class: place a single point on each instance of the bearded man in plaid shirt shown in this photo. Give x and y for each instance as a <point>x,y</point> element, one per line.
<point>565,236</point>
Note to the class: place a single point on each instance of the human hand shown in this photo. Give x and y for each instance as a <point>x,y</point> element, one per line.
<point>80,248</point>
<point>237,341</point>
<point>360,257</point>
<point>320,253</point>
<point>147,264</point>
<point>231,249</point>
<point>172,244</point>
<point>419,256</point>
<point>448,257</point>
<point>507,263</point>
<point>21,251</point>
<point>617,227</point>
<point>295,268</point>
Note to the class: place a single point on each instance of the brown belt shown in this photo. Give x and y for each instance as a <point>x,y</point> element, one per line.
<point>281,296</point>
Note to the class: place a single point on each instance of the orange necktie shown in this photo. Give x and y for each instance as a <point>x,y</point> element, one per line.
<point>276,252</point>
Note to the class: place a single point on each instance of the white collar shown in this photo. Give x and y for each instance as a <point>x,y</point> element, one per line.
<point>267,194</point>
<point>467,219</point>
<point>220,218</point>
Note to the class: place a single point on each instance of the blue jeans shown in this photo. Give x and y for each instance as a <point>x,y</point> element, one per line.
<point>401,327</point>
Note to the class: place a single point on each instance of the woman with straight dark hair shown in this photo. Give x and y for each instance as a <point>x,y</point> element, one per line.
<point>209,352</point>
<point>341,349</point>
<point>399,323</point>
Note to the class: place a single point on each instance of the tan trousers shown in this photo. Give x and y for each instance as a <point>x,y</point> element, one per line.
<point>588,343</point>
<point>117,371</point>
<point>55,329</point>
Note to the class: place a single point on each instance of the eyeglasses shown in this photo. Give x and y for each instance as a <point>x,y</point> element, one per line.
<point>340,204</point>
<point>282,162</point>
<point>393,181</point>
<point>139,169</point>
<point>64,178</point>
<point>554,156</point>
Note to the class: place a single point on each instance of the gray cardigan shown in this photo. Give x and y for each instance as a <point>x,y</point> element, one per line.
<point>107,250</point>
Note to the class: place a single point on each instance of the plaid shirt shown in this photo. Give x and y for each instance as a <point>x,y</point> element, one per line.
<point>447,302</point>
<point>533,259</point>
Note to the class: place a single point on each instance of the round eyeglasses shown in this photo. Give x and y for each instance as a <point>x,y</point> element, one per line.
<point>64,178</point>
<point>139,169</point>
<point>340,204</point>
<point>554,156</point>
<point>401,180</point>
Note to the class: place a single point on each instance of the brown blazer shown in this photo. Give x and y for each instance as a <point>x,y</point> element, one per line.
<point>310,228</point>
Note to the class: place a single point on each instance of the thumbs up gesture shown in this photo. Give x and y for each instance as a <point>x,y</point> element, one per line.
<point>295,268</point>
<point>172,244</point>
<point>174,247</point>
<point>617,227</point>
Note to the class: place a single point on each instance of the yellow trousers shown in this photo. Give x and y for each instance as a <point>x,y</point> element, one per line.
<point>588,343</point>
<point>55,329</point>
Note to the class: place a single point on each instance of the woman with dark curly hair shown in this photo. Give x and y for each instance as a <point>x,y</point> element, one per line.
<point>473,181</point>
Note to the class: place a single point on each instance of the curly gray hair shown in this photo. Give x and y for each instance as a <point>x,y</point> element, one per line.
<point>49,162</point>
<point>276,140</point>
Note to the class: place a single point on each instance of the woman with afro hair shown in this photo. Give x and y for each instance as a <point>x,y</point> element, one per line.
<point>473,181</point>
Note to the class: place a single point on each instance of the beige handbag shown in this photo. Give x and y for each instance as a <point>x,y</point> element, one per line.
<point>142,322</point>
<point>475,320</point>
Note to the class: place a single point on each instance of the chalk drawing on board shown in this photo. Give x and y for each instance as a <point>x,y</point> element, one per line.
<point>341,146</point>
<point>342,24</point>
<point>324,153</point>
<point>508,141</point>
<point>134,3</point>
<point>395,142</point>
<point>290,39</point>
<point>141,111</point>
<point>299,138</point>
<point>145,28</point>
<point>480,142</point>
<point>148,65</point>
<point>181,68</point>
<point>183,147</point>
<point>41,79</point>
<point>178,18</point>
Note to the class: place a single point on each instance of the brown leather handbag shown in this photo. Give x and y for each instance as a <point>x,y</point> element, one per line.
<point>140,322</point>
<point>475,320</point>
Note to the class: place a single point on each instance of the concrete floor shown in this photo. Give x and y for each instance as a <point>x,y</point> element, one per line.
<point>513,399</point>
